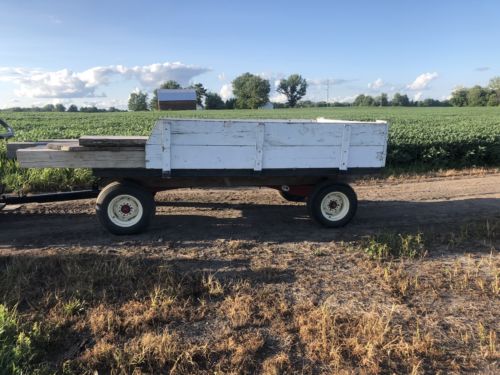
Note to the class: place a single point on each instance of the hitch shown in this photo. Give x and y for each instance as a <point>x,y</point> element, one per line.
<point>9,132</point>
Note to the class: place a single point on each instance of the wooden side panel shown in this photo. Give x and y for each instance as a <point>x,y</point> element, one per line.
<point>198,144</point>
<point>46,158</point>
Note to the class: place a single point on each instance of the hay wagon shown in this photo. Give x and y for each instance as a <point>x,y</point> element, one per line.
<point>305,160</point>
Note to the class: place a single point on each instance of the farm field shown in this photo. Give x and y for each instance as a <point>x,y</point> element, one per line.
<point>420,139</point>
<point>238,281</point>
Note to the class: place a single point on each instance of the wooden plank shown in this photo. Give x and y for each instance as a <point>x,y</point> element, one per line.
<point>366,157</point>
<point>259,145</point>
<point>112,141</point>
<point>279,134</point>
<point>46,158</point>
<point>301,157</point>
<point>12,147</point>
<point>213,157</point>
<point>75,147</point>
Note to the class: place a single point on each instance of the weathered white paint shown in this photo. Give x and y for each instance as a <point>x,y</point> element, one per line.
<point>266,144</point>
<point>43,157</point>
<point>218,144</point>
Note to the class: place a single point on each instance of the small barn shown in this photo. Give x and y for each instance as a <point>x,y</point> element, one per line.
<point>176,99</point>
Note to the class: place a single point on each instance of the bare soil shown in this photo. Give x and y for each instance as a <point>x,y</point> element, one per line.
<point>196,217</point>
<point>241,281</point>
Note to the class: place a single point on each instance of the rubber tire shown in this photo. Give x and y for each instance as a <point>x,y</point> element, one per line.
<point>145,197</point>
<point>292,197</point>
<point>317,195</point>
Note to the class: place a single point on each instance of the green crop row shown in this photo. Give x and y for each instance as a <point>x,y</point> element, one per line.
<point>419,138</point>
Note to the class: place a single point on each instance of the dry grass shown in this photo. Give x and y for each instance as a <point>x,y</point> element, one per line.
<point>318,308</point>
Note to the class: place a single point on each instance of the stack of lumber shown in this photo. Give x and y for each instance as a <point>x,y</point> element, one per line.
<point>86,152</point>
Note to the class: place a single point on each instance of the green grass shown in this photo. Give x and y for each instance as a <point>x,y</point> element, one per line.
<point>19,347</point>
<point>420,138</point>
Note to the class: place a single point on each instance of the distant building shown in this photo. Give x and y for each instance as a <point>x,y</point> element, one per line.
<point>176,99</point>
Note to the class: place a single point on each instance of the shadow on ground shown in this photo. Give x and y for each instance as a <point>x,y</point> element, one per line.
<point>252,222</point>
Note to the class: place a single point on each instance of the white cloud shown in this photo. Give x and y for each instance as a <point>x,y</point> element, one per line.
<point>278,98</point>
<point>226,91</point>
<point>152,75</point>
<point>422,81</point>
<point>483,69</point>
<point>375,85</point>
<point>417,96</point>
<point>65,83</point>
<point>222,76</point>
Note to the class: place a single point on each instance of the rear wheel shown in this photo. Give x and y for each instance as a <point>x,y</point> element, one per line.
<point>332,205</point>
<point>124,208</point>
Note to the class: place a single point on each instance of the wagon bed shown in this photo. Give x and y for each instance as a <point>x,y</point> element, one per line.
<point>306,160</point>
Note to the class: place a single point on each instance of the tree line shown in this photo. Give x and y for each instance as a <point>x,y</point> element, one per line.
<point>250,92</point>
<point>62,108</point>
<point>398,100</point>
<point>477,96</point>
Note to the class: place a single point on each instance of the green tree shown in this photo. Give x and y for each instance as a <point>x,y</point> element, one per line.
<point>359,100</point>
<point>400,100</point>
<point>382,100</point>
<point>201,93</point>
<point>368,101</point>
<point>251,91</point>
<point>495,84</point>
<point>230,103</point>
<point>214,101</point>
<point>72,108</point>
<point>459,97</point>
<point>48,108</point>
<point>477,96</point>
<point>493,99</point>
<point>138,101</point>
<point>165,85</point>
<point>364,100</point>
<point>60,108</point>
<point>294,87</point>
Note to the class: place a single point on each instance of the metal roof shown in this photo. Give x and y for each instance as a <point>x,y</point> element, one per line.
<point>168,95</point>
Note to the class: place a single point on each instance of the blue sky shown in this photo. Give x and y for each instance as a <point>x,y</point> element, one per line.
<point>97,52</point>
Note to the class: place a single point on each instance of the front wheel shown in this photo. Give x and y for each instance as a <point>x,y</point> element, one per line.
<point>332,205</point>
<point>124,208</point>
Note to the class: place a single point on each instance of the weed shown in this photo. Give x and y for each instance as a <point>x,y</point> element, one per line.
<point>391,245</point>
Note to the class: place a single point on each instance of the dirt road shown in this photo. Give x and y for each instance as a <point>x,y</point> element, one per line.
<point>199,217</point>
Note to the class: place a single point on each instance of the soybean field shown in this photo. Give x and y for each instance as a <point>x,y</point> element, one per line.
<point>420,139</point>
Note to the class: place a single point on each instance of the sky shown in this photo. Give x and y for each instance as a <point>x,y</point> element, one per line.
<point>98,52</point>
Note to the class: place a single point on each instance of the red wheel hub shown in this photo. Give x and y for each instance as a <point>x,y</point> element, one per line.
<point>125,209</point>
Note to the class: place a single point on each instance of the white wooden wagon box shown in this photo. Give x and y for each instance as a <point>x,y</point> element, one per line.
<point>306,160</point>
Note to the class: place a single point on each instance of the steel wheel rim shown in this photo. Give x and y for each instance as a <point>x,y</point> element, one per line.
<point>335,206</point>
<point>125,210</point>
